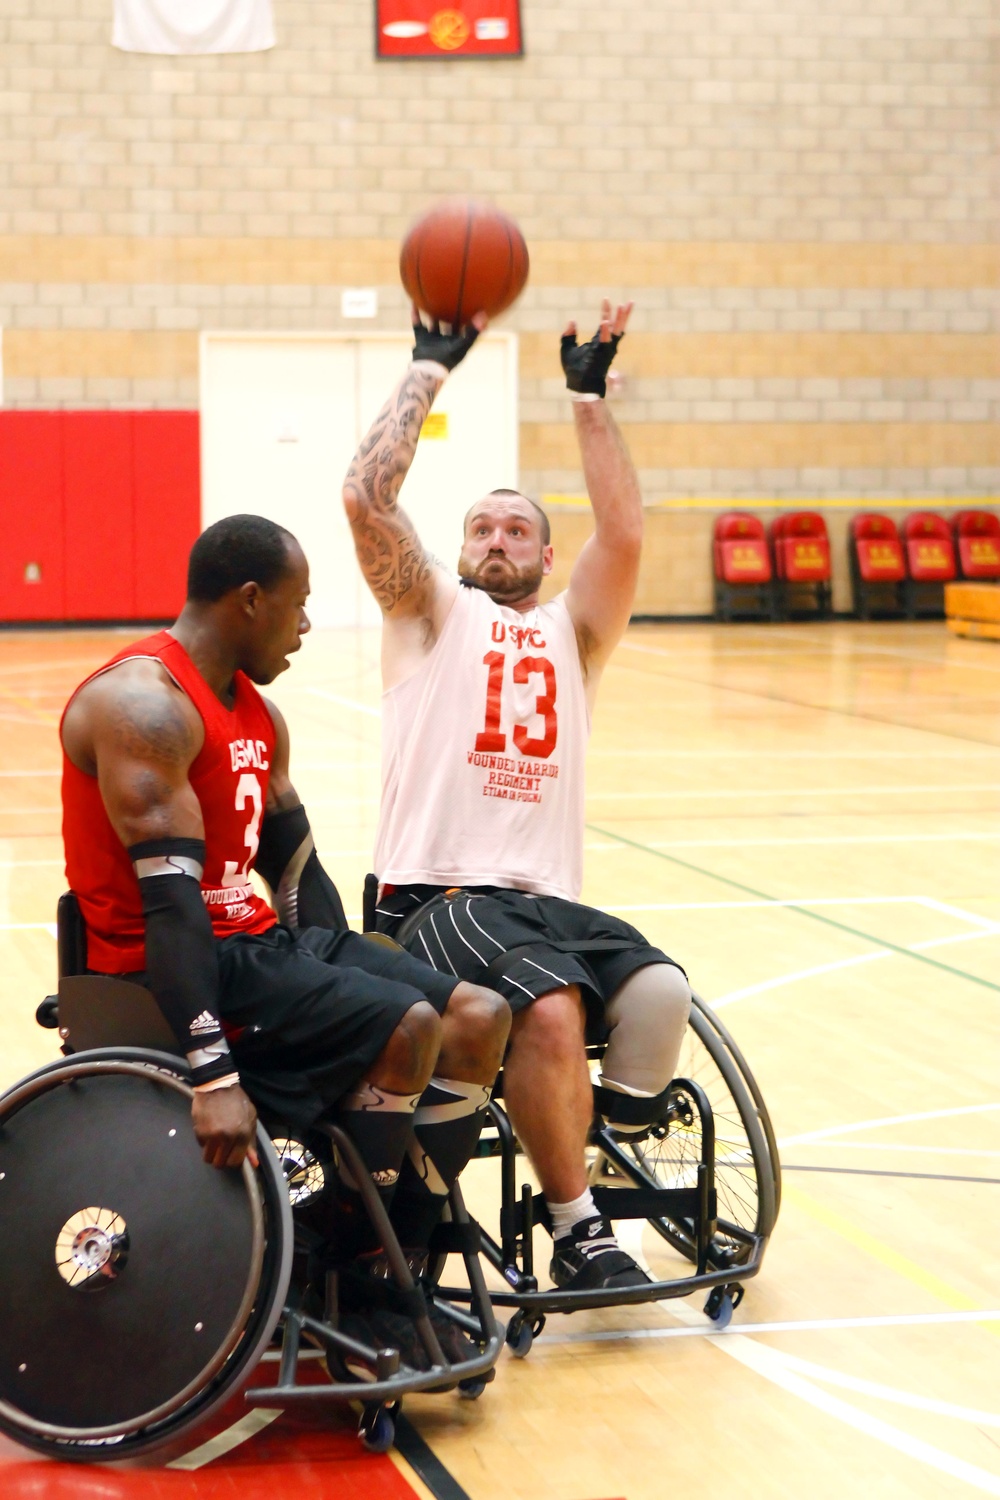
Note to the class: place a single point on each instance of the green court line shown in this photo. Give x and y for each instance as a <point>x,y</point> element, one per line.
<point>804,911</point>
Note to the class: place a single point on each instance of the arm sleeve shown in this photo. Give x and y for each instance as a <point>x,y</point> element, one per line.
<point>181,963</point>
<point>302,891</point>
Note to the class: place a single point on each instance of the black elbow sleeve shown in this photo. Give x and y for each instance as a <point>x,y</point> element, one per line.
<point>303,893</point>
<point>182,967</point>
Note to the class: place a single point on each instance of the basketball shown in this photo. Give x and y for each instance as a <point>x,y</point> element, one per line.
<point>462,257</point>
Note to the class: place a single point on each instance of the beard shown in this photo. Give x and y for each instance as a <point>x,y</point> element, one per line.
<point>501,579</point>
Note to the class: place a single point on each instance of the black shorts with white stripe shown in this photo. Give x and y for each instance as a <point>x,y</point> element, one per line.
<point>519,944</point>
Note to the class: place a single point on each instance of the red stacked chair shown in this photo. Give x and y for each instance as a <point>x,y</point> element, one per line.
<point>802,562</point>
<point>930,562</point>
<point>977,543</point>
<point>878,568</point>
<point>742,566</point>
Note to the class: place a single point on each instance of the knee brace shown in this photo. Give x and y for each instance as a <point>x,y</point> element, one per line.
<point>647,1016</point>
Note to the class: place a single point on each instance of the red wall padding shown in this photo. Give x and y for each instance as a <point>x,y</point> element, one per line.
<point>104,505</point>
<point>31,501</point>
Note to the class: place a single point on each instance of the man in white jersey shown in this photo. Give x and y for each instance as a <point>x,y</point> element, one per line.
<point>486,715</point>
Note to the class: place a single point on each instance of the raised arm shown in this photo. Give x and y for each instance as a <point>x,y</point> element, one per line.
<point>603,581</point>
<point>139,735</point>
<point>403,577</point>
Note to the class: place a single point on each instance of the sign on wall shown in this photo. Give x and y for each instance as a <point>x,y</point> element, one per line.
<point>448,28</point>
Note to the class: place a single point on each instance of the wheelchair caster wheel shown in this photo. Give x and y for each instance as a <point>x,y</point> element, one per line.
<point>722,1301</point>
<point>522,1333</point>
<point>471,1390</point>
<point>377,1428</point>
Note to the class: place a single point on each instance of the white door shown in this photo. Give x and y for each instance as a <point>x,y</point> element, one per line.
<point>283,414</point>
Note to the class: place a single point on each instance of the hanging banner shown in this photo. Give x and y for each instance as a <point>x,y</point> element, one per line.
<point>176,27</point>
<point>435,28</point>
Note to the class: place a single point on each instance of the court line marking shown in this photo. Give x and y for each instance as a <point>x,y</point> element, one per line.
<point>772,756</point>
<point>790,1325</point>
<point>830,1131</point>
<point>702,794</point>
<point>713,685</point>
<point>826,838</point>
<point>770,1364</point>
<point>814,916</point>
<point>782,979</point>
<point>933,904</point>
<point>888,1392</point>
<point>878,1251</point>
<point>842,1145</point>
<point>361,708</point>
<point>884,1172</point>
<point>230,1438</point>
<point>805,901</point>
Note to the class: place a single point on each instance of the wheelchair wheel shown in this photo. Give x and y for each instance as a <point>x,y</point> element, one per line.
<point>747,1171</point>
<point>139,1286</point>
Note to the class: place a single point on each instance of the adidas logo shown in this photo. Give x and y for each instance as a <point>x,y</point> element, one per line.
<point>205,1022</point>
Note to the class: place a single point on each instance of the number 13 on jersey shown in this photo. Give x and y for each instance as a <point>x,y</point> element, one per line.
<point>491,738</point>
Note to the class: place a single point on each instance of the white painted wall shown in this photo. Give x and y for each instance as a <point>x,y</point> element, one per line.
<point>282,415</point>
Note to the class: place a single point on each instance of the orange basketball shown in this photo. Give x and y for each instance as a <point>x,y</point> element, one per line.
<point>462,257</point>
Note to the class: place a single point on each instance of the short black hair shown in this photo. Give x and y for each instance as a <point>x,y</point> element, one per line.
<point>235,551</point>
<point>543,520</point>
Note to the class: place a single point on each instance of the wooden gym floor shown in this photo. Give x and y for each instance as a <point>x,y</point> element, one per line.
<point>806,817</point>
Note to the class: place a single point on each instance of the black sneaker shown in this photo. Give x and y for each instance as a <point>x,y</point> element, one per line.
<point>377,1329</point>
<point>589,1257</point>
<point>456,1346</point>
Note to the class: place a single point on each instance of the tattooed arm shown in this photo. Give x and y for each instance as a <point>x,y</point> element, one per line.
<point>397,569</point>
<point>414,592</point>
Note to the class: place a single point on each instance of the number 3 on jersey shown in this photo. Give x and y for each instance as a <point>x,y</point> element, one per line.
<point>491,738</point>
<point>247,790</point>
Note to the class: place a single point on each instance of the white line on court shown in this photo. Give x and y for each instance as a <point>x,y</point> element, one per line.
<point>808,1136</point>
<point>361,708</point>
<point>842,1145</point>
<point>770,1364</point>
<point>775,757</point>
<point>701,1328</point>
<point>932,903</point>
<point>956,937</point>
<point>756,792</point>
<point>793,901</point>
<point>838,838</point>
<point>782,979</point>
<point>888,1392</point>
<point>227,1440</point>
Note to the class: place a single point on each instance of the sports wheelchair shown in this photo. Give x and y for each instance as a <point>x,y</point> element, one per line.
<point>141,1287</point>
<point>699,1163</point>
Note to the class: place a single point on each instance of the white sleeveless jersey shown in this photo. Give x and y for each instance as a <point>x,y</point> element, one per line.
<point>483,755</point>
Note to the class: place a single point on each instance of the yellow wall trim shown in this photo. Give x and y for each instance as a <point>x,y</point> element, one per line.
<point>245,261</point>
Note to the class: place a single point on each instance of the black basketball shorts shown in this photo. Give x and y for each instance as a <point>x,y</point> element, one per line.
<point>308,1013</point>
<point>519,944</point>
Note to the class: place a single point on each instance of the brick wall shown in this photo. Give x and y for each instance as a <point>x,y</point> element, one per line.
<point>802,196</point>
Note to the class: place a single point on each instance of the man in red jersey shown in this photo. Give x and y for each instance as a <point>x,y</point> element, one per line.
<point>175,785</point>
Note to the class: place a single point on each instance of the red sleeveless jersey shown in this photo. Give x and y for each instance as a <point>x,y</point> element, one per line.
<point>229,775</point>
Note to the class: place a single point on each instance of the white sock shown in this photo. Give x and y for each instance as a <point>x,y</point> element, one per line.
<point>565,1215</point>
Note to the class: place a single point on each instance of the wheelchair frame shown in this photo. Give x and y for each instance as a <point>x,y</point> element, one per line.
<point>686,1217</point>
<point>122,1032</point>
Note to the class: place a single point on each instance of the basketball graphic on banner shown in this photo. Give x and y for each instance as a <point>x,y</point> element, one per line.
<point>437,28</point>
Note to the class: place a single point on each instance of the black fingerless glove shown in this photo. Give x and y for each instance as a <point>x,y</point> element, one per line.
<point>448,349</point>
<point>587,365</point>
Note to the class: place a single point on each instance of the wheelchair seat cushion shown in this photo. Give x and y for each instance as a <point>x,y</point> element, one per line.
<point>519,944</point>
